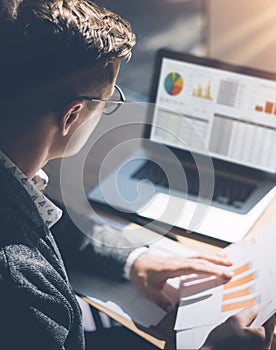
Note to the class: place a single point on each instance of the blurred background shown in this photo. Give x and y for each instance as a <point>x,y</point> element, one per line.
<point>175,24</point>
<point>242,32</point>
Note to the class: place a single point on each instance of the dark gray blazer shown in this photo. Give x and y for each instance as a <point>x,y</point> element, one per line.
<point>38,309</point>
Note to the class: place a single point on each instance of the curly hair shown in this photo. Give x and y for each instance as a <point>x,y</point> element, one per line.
<point>98,28</point>
<point>45,39</point>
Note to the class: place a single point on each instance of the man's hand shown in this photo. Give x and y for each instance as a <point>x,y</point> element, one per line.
<point>235,333</point>
<point>149,273</point>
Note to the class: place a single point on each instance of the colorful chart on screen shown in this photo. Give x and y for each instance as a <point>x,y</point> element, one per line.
<point>174,83</point>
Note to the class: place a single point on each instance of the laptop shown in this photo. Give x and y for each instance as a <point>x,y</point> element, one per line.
<point>207,163</point>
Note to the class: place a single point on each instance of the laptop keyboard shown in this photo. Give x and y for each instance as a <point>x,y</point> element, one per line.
<point>230,192</point>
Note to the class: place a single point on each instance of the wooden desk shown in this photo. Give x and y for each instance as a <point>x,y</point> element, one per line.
<point>163,335</point>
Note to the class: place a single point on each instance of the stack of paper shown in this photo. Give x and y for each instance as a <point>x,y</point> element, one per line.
<point>205,303</point>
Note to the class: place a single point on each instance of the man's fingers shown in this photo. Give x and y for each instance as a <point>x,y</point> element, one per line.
<point>246,316</point>
<point>161,300</point>
<point>220,259</point>
<point>269,328</point>
<point>198,266</point>
<point>261,337</point>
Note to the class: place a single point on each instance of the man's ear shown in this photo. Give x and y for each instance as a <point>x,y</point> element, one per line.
<point>70,116</point>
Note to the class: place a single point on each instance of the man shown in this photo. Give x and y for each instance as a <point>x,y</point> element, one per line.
<point>59,63</point>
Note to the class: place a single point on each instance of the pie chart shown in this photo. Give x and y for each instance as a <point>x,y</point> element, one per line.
<point>174,83</point>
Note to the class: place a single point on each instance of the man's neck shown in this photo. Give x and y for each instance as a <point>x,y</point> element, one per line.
<point>28,162</point>
<point>27,146</point>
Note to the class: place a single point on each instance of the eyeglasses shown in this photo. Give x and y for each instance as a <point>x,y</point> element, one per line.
<point>111,105</point>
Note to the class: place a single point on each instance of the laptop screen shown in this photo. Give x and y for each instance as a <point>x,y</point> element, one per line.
<point>233,113</point>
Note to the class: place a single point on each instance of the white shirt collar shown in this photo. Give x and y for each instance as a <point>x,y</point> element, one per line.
<point>49,212</point>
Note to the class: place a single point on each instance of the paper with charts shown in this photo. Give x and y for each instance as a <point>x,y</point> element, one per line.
<point>204,304</point>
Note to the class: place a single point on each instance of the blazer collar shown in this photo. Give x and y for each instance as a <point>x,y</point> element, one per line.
<point>16,194</point>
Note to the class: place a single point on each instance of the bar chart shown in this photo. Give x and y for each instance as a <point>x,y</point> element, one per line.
<point>269,107</point>
<point>203,91</point>
<point>240,291</point>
